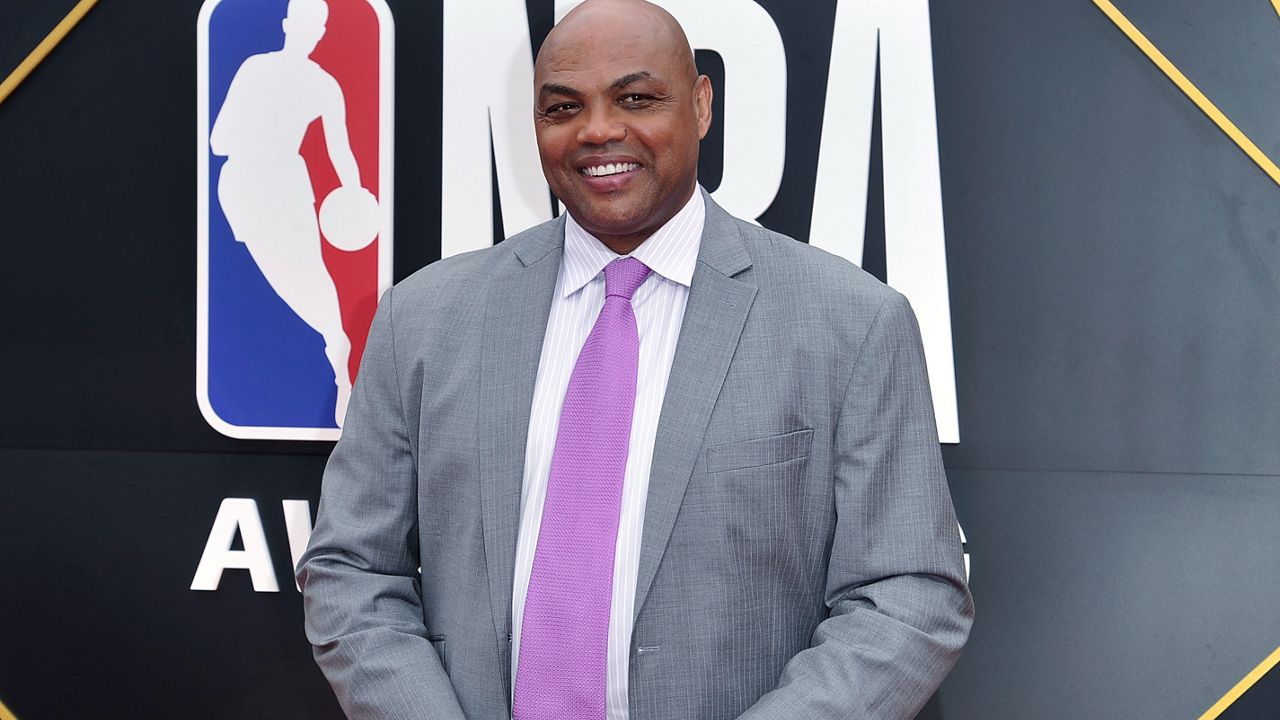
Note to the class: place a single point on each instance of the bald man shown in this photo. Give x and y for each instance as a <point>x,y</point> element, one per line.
<point>645,461</point>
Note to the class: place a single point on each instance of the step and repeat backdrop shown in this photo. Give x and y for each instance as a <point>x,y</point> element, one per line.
<point>201,204</point>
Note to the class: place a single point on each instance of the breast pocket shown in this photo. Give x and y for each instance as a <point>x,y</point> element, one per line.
<point>759,452</point>
<point>766,511</point>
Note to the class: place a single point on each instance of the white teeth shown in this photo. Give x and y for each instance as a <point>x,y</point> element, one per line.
<point>610,169</point>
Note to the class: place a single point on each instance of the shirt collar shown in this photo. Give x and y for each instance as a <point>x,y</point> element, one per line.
<point>672,251</point>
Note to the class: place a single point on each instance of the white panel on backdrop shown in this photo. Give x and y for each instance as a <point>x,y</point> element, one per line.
<point>754,94</point>
<point>915,247</point>
<point>488,93</point>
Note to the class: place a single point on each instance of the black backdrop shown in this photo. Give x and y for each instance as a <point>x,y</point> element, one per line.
<point>1114,266</point>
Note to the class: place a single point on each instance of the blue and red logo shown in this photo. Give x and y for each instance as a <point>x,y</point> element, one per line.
<point>294,208</point>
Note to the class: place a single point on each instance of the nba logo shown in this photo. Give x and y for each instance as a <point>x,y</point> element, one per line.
<point>294,150</point>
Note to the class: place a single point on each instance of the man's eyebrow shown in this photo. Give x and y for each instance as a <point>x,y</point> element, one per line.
<point>555,89</point>
<point>626,80</point>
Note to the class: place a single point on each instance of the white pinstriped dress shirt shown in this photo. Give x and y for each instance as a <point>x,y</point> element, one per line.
<point>671,253</point>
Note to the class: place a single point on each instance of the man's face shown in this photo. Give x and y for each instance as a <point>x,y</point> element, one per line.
<point>616,97</point>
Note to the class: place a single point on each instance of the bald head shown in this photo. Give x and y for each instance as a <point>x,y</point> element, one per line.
<point>595,20</point>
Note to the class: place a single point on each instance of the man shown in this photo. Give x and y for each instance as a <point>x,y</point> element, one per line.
<point>700,481</point>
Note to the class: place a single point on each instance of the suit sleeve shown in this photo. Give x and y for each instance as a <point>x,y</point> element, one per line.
<point>900,610</point>
<point>359,575</point>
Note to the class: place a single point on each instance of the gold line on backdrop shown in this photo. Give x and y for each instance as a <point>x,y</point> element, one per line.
<point>5,714</point>
<point>1191,90</point>
<point>1269,167</point>
<point>37,56</point>
<point>1246,682</point>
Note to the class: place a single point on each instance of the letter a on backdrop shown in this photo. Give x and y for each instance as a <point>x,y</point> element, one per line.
<point>294,230</point>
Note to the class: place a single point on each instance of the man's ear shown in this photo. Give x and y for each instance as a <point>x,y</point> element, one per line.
<point>702,104</point>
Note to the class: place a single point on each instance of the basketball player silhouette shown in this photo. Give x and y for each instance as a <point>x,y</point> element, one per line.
<point>265,189</point>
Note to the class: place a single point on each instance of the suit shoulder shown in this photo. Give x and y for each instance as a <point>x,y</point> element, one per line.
<point>447,274</point>
<point>783,260</point>
<point>466,277</point>
<point>813,291</point>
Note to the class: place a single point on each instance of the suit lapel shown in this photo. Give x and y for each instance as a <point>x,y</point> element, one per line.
<point>713,320</point>
<point>515,323</point>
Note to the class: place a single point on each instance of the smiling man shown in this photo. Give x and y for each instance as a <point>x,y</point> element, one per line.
<point>644,461</point>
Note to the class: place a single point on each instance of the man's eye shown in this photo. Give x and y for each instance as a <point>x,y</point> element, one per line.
<point>633,99</point>
<point>560,110</point>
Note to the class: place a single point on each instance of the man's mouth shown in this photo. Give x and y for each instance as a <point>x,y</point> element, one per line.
<point>608,169</point>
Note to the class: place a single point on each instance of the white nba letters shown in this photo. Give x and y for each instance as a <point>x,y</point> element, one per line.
<point>487,106</point>
<point>915,248</point>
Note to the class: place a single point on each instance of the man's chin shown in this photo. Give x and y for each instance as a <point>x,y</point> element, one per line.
<point>609,226</point>
<point>606,215</point>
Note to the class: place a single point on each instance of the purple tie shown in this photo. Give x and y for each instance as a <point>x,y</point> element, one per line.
<point>564,638</point>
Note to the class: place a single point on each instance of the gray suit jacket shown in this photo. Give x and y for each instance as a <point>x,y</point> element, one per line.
<point>800,554</point>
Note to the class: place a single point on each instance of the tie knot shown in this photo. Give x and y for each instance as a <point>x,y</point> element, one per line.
<point>623,276</point>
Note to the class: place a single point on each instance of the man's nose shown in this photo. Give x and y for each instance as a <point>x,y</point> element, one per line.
<point>601,126</point>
